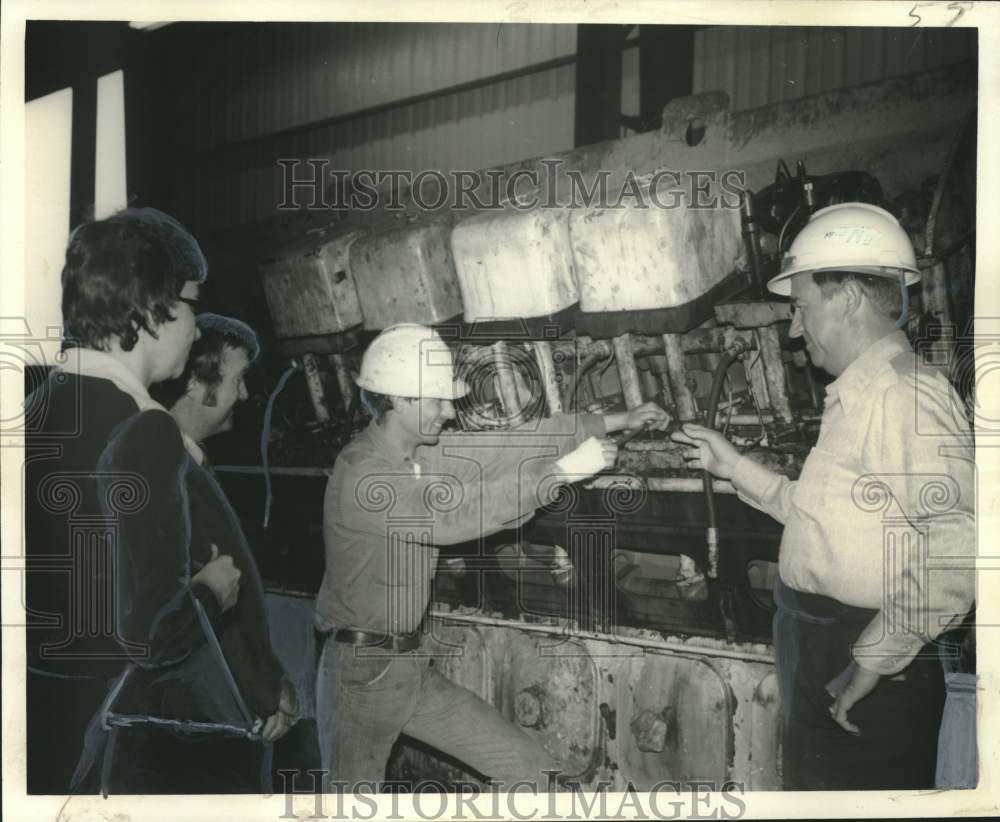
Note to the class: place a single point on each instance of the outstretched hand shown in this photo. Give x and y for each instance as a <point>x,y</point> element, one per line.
<point>648,415</point>
<point>710,450</point>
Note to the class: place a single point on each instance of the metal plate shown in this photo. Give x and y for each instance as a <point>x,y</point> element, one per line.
<point>406,275</point>
<point>493,252</point>
<point>630,259</point>
<point>310,289</point>
<point>550,689</point>
<point>675,721</point>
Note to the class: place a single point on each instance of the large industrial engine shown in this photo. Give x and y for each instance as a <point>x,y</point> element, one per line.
<point>628,624</point>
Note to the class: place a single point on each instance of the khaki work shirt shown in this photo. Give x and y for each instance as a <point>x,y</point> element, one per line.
<point>384,513</point>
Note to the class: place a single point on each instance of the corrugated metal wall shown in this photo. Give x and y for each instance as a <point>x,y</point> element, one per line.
<point>273,77</point>
<point>758,65</point>
<point>322,82</point>
<point>268,79</point>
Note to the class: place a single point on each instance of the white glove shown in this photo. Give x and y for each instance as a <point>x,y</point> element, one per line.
<point>587,459</point>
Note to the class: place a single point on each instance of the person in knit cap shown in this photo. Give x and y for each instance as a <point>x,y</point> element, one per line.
<point>135,562</point>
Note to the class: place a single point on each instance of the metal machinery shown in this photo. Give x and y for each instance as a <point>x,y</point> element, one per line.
<point>628,626</point>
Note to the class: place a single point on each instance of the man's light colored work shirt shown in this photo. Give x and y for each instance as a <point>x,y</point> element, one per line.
<point>385,513</point>
<point>882,516</point>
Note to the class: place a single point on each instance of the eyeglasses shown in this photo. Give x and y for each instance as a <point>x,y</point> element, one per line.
<point>195,304</point>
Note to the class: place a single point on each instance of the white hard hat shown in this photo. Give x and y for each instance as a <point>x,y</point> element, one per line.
<point>849,237</point>
<point>409,360</point>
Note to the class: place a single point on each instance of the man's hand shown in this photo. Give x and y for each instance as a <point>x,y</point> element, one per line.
<point>711,451</point>
<point>860,683</point>
<point>649,414</point>
<point>281,721</point>
<point>222,577</point>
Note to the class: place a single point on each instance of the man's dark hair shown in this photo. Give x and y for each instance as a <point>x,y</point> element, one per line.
<point>884,292</point>
<point>124,274</point>
<point>204,363</point>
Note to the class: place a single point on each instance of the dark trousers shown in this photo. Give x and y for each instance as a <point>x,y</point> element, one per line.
<point>899,720</point>
<point>58,710</point>
<point>157,761</point>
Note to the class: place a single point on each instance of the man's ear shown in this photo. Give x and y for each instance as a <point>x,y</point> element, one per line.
<point>194,389</point>
<point>853,296</point>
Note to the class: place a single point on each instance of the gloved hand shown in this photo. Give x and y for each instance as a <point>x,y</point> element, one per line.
<point>587,459</point>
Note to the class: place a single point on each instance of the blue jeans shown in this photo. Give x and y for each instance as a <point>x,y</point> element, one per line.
<point>364,702</point>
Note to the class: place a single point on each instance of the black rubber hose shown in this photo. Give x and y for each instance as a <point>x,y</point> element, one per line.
<point>713,406</point>
<point>585,365</point>
<point>752,245</point>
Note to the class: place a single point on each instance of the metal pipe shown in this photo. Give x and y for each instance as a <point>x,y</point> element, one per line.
<point>687,408</point>
<point>754,369</point>
<point>583,366</point>
<point>315,385</point>
<point>547,369</point>
<point>700,341</point>
<point>290,471</point>
<point>774,372</point>
<point>629,375</point>
<point>934,288</point>
<point>682,485</point>
<point>525,393</point>
<point>751,240</point>
<point>968,123</point>
<point>344,381</point>
<point>563,631</point>
<point>506,385</point>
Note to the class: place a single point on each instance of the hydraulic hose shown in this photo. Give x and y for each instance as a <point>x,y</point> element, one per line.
<point>751,242</point>
<point>265,438</point>
<point>586,363</point>
<point>728,358</point>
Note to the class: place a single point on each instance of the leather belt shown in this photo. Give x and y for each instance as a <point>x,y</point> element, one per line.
<point>374,639</point>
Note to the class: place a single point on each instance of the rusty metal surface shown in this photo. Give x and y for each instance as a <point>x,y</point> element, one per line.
<point>680,719</point>
<point>550,688</point>
<point>613,713</point>
<point>753,314</point>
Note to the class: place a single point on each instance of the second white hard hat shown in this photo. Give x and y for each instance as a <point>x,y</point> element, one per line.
<point>410,360</point>
<point>849,237</point>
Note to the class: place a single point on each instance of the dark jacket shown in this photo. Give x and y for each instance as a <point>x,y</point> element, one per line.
<point>174,513</point>
<point>119,517</point>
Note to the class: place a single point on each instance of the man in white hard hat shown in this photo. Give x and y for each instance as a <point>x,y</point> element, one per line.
<point>877,551</point>
<point>397,491</point>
